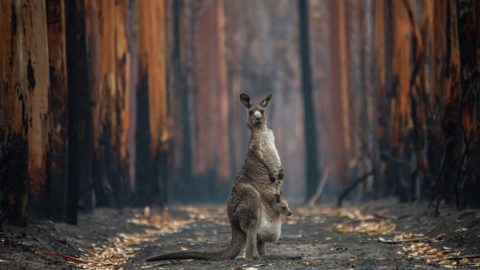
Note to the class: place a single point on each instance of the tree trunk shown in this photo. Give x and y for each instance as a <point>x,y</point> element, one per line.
<point>58,108</point>
<point>466,187</point>
<point>25,103</point>
<point>153,135</point>
<point>340,133</point>
<point>310,131</point>
<point>79,109</point>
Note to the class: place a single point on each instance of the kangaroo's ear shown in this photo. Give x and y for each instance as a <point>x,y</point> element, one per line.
<point>245,99</point>
<point>266,100</point>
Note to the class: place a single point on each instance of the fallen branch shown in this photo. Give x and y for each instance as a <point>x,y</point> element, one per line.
<point>319,190</point>
<point>387,241</point>
<point>351,187</point>
<point>379,216</point>
<point>54,254</point>
<point>459,257</point>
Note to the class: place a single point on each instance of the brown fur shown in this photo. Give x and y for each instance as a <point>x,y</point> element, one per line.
<point>253,205</point>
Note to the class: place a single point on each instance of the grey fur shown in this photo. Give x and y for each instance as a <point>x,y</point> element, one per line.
<point>253,207</point>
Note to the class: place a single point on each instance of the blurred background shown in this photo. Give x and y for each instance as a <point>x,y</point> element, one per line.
<point>129,103</point>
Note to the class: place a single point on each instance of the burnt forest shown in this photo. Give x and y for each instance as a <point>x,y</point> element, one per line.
<point>239,134</point>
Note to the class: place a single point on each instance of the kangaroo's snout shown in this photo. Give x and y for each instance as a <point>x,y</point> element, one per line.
<point>258,117</point>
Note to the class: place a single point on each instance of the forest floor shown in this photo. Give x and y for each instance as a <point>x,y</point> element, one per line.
<point>379,235</point>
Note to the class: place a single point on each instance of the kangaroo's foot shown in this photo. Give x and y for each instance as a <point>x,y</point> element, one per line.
<point>251,252</point>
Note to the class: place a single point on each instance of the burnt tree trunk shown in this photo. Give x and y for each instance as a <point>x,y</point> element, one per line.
<point>311,136</point>
<point>108,79</point>
<point>152,136</point>
<point>25,117</point>
<point>79,112</point>
<point>468,32</point>
<point>58,108</point>
<point>14,181</point>
<point>181,85</point>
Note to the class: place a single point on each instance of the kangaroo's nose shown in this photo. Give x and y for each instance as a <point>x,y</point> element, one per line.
<point>257,115</point>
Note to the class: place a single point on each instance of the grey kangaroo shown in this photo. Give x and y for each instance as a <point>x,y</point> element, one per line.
<point>253,205</point>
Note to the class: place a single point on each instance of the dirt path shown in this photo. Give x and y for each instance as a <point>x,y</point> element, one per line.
<point>374,236</point>
<point>329,238</point>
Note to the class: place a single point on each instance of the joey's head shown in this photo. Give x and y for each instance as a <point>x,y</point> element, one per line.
<point>256,111</point>
<point>282,205</point>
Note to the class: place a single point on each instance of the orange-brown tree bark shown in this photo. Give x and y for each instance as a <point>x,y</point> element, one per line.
<point>109,81</point>
<point>25,106</point>
<point>339,95</point>
<point>153,127</point>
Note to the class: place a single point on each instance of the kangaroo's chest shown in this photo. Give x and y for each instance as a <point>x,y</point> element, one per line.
<point>269,149</point>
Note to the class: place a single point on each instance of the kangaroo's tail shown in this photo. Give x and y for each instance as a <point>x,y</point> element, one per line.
<point>232,251</point>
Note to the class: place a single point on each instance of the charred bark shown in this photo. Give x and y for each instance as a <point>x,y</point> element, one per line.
<point>142,141</point>
<point>79,112</point>
<point>24,103</point>
<point>58,109</point>
<point>311,135</point>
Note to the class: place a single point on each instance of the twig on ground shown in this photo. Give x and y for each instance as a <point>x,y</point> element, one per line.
<point>388,241</point>
<point>54,254</point>
<point>380,216</point>
<point>459,257</point>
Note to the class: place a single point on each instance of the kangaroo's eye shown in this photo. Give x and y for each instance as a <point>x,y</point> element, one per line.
<point>250,112</point>
<point>261,111</point>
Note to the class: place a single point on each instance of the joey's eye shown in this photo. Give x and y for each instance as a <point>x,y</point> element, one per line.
<point>250,112</point>
<point>261,111</point>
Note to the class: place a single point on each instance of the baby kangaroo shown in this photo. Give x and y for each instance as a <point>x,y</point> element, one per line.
<point>282,204</point>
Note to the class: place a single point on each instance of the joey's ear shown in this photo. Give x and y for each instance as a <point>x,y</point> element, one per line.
<point>266,100</point>
<point>277,198</point>
<point>245,99</point>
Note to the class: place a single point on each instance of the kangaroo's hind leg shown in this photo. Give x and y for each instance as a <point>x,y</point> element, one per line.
<point>249,224</point>
<point>245,205</point>
<point>251,252</point>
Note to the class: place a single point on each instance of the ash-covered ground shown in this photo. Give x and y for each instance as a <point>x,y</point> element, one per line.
<point>379,235</point>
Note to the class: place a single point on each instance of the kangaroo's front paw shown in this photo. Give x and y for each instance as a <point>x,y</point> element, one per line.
<point>271,175</point>
<point>280,174</point>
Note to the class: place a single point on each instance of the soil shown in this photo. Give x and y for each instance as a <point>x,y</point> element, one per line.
<point>379,235</point>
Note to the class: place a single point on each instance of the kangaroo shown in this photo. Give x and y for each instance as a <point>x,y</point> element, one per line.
<point>282,204</point>
<point>253,204</point>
